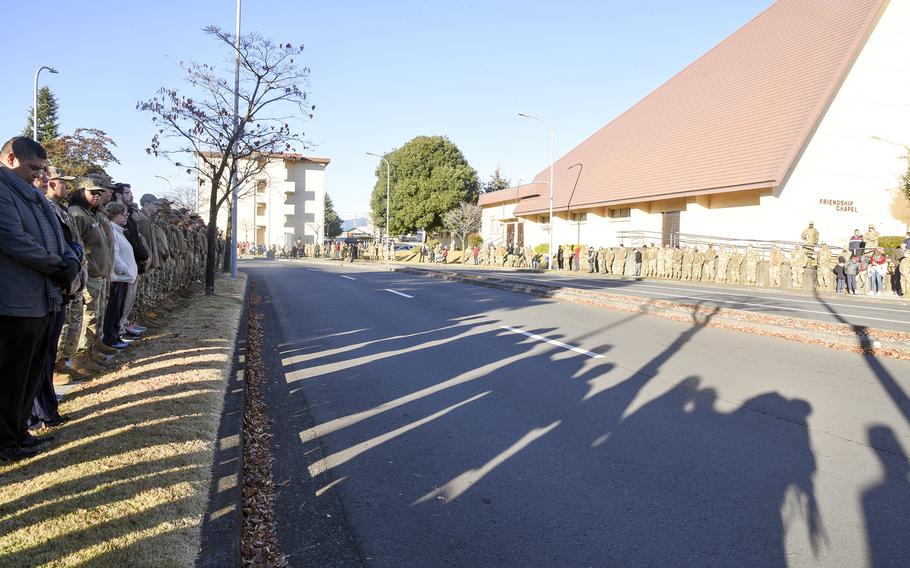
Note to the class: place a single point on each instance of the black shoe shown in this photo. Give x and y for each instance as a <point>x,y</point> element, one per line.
<point>30,441</point>
<point>16,453</point>
<point>59,421</point>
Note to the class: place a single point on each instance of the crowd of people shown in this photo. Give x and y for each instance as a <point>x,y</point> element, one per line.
<point>86,271</point>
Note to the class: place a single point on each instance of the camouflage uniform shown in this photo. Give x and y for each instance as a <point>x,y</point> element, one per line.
<point>751,262</point>
<point>710,260</point>
<point>797,267</point>
<point>774,263</point>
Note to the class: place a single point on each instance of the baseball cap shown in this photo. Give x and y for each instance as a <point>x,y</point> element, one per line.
<point>88,183</point>
<point>103,180</point>
<point>148,197</point>
<point>56,173</point>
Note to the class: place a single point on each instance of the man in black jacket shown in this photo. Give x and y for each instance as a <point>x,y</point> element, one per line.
<point>35,266</point>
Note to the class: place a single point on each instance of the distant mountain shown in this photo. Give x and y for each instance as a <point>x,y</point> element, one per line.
<point>349,224</point>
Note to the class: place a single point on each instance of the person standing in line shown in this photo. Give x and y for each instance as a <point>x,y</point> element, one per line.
<point>637,262</point>
<point>825,269</point>
<point>91,353</point>
<point>851,269</point>
<point>35,268</point>
<point>559,257</point>
<point>775,261</point>
<point>878,270</point>
<point>475,252</point>
<point>897,273</point>
<point>840,275</point>
<point>124,193</point>
<point>124,273</point>
<point>871,238</point>
<point>856,243</point>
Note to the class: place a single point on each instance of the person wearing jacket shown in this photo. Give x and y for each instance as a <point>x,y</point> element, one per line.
<point>91,354</point>
<point>124,274</point>
<point>851,269</point>
<point>35,267</point>
<point>878,270</point>
<point>124,194</point>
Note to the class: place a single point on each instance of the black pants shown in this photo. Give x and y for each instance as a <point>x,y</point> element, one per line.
<point>45,408</point>
<point>113,313</point>
<point>23,349</point>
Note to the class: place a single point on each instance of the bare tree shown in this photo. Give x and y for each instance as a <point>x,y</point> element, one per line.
<point>184,196</point>
<point>462,221</point>
<point>198,131</point>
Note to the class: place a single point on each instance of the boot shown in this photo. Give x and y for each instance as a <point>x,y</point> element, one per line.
<point>85,365</point>
<point>64,375</point>
<point>106,349</point>
<point>101,359</point>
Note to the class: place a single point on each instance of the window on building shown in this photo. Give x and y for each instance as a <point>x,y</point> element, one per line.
<point>579,217</point>
<point>544,219</point>
<point>260,186</point>
<point>621,213</point>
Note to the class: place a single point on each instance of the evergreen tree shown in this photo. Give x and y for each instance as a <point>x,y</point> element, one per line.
<point>332,220</point>
<point>496,182</point>
<point>48,122</point>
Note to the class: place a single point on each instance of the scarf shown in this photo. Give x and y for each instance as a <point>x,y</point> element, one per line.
<point>51,233</point>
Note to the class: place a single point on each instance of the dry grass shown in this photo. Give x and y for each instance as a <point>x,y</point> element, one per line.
<point>125,483</point>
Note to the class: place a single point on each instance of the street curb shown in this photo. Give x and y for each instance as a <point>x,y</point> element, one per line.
<point>845,337</point>
<point>222,524</point>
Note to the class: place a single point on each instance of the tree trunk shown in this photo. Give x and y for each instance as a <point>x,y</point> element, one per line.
<point>211,256</point>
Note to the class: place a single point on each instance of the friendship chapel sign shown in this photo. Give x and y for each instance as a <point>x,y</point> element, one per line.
<point>839,205</point>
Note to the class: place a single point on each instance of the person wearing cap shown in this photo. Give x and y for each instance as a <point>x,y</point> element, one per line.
<point>91,355</point>
<point>57,193</point>
<point>871,237</point>
<point>152,277</point>
<point>810,239</point>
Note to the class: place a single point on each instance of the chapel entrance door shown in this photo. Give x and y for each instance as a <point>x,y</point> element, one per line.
<point>670,230</point>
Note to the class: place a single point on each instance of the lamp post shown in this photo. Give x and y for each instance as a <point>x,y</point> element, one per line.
<point>234,161</point>
<point>35,106</point>
<point>571,195</point>
<point>170,187</point>
<point>552,177</point>
<point>388,175</point>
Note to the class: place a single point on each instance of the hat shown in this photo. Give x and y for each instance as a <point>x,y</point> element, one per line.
<point>148,197</point>
<point>103,180</point>
<point>56,173</point>
<point>87,183</point>
<point>164,201</point>
<point>871,226</point>
<point>811,223</point>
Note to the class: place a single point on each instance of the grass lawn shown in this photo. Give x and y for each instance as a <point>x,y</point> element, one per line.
<point>125,482</point>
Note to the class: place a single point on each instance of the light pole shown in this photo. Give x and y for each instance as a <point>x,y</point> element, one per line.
<point>552,177</point>
<point>233,160</point>
<point>388,175</point>
<point>35,106</point>
<point>571,195</point>
<point>170,187</point>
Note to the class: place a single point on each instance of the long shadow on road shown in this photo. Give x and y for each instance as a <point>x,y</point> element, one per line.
<point>455,443</point>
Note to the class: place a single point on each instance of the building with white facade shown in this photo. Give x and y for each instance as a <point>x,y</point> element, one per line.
<point>281,204</point>
<point>801,115</point>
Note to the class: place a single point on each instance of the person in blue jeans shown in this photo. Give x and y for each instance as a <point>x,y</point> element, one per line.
<point>841,276</point>
<point>851,269</point>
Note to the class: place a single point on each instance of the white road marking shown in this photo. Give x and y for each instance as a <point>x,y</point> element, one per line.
<point>553,342</point>
<point>721,301</point>
<point>399,293</point>
<point>348,277</point>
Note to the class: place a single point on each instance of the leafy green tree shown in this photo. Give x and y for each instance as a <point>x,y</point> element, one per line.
<point>332,220</point>
<point>429,177</point>
<point>496,182</point>
<point>86,151</point>
<point>905,179</point>
<point>48,122</point>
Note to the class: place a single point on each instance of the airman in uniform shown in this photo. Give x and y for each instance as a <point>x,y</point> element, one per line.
<point>687,258</point>
<point>723,265</point>
<point>710,263</point>
<point>698,265</point>
<point>652,260</point>
<point>619,261</point>
<point>678,255</point>
<point>825,268</point>
<point>810,239</point>
<point>609,257</point>
<point>871,237</point>
<point>736,262</point>
<point>798,263</point>
<point>751,262</point>
<point>661,261</point>
<point>774,263</point>
<point>904,268</point>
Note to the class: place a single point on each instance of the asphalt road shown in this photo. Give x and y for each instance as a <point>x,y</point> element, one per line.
<point>424,423</point>
<point>884,312</point>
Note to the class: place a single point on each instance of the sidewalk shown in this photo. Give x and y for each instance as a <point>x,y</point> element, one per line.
<point>867,340</point>
<point>126,481</point>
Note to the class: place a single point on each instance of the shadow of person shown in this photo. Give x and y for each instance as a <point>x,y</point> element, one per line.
<point>886,505</point>
<point>694,486</point>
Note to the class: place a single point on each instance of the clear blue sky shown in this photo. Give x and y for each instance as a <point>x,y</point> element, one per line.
<point>381,72</point>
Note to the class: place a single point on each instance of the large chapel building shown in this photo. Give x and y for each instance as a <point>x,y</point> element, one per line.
<point>801,115</point>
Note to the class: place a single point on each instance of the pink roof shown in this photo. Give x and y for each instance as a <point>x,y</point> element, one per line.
<point>737,118</point>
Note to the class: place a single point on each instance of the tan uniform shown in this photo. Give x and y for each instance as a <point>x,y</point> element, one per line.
<point>774,263</point>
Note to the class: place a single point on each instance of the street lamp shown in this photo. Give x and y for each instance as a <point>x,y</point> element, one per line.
<point>170,187</point>
<point>234,182</point>
<point>35,106</point>
<point>388,175</point>
<point>552,176</point>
